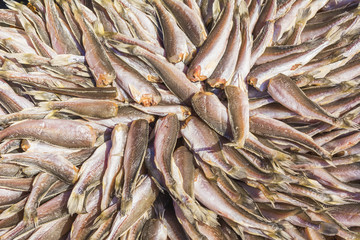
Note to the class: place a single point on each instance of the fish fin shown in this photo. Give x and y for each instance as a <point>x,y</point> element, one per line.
<point>191,208</point>
<point>159,209</point>
<point>347,123</point>
<point>328,229</point>
<point>333,35</point>
<point>101,219</point>
<point>76,202</point>
<point>65,59</point>
<point>161,188</point>
<point>237,172</point>
<point>30,216</point>
<point>45,105</point>
<point>118,182</point>
<point>126,206</point>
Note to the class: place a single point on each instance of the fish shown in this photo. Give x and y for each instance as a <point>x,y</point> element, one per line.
<point>134,153</point>
<point>226,66</point>
<point>144,196</point>
<point>80,228</point>
<point>41,185</point>
<point>88,107</point>
<point>95,53</point>
<point>48,162</point>
<point>176,44</point>
<point>227,210</point>
<point>60,35</point>
<point>271,127</point>
<point>172,77</point>
<point>302,105</point>
<point>133,83</point>
<point>204,142</point>
<point>238,108</point>
<point>154,229</point>
<point>189,21</point>
<point>115,162</point>
<point>52,130</point>
<point>210,53</point>
<point>47,212</point>
<point>88,178</point>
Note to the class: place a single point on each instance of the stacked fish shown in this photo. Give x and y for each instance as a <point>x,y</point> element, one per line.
<point>180,119</point>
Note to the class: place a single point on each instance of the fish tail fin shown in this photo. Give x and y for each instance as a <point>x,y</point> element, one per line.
<point>13,5</point>
<point>101,219</point>
<point>347,123</point>
<point>328,229</point>
<point>76,202</point>
<point>118,183</point>
<point>278,234</point>
<point>237,173</point>
<point>126,205</point>
<point>334,34</point>
<point>302,18</point>
<point>191,208</point>
<point>46,105</point>
<point>30,216</point>
<point>242,7</point>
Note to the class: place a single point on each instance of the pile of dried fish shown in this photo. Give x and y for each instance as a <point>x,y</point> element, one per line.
<point>180,119</point>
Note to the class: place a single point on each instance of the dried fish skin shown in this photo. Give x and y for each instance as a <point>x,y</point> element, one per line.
<point>54,131</point>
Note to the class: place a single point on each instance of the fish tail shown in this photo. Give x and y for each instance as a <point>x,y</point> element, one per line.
<point>45,105</point>
<point>278,234</point>
<point>30,217</point>
<point>334,34</point>
<point>13,5</point>
<point>76,202</point>
<point>328,229</point>
<point>192,209</point>
<point>126,206</point>
<point>347,123</point>
<point>243,9</point>
<point>100,220</point>
<point>118,183</point>
<point>237,173</point>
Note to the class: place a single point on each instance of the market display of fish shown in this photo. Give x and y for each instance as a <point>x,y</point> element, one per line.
<point>180,119</point>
